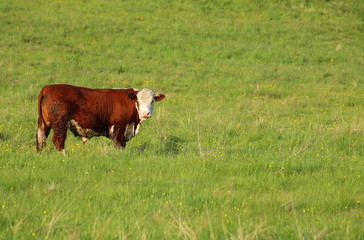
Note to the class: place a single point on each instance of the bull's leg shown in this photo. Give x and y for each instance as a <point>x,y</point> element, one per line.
<point>119,137</point>
<point>59,139</point>
<point>119,142</point>
<point>41,136</point>
<point>60,135</point>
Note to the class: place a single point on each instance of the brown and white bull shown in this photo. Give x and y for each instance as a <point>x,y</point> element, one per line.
<point>114,113</point>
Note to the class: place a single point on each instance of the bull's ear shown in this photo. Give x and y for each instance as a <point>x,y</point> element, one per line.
<point>159,97</point>
<point>132,96</point>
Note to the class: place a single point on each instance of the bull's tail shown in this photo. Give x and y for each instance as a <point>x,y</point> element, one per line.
<point>43,129</point>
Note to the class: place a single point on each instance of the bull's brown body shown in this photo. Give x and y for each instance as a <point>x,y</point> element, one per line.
<point>112,113</point>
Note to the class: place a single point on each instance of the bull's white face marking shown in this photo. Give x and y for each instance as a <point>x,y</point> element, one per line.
<point>146,103</point>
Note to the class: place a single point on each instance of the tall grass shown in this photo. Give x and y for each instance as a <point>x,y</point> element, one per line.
<point>261,135</point>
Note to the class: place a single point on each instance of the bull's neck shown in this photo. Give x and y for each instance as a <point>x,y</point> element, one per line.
<point>136,117</point>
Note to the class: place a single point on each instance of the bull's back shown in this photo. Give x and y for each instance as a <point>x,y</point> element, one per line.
<point>89,107</point>
<point>61,93</point>
<point>57,99</point>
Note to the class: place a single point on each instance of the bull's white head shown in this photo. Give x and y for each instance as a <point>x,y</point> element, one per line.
<point>145,99</point>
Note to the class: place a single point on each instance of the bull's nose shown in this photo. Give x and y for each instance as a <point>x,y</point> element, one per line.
<point>146,114</point>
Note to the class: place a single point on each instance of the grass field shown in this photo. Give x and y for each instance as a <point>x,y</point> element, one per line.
<point>261,135</point>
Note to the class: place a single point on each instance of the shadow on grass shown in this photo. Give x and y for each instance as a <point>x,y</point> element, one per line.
<point>171,145</point>
<point>3,137</point>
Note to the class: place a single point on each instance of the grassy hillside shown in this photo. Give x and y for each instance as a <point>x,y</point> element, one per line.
<point>261,135</point>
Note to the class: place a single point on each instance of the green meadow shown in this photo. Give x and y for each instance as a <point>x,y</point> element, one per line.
<point>261,134</point>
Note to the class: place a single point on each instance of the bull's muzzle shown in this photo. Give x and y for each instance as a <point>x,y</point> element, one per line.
<point>146,114</point>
